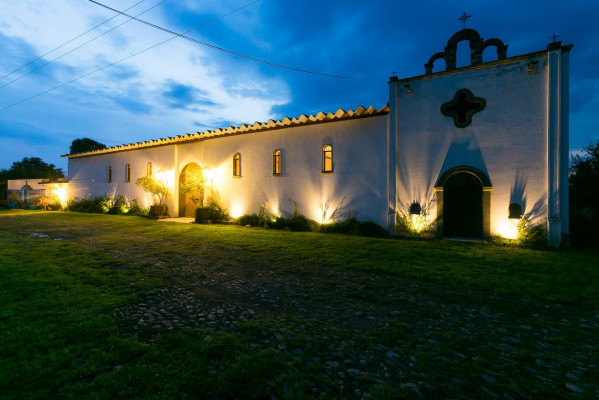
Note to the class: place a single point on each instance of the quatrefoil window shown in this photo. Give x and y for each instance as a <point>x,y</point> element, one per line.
<point>462,107</point>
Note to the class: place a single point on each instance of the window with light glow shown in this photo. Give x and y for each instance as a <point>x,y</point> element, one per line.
<point>237,165</point>
<point>150,168</point>
<point>128,173</point>
<point>109,174</point>
<point>327,159</point>
<point>276,162</point>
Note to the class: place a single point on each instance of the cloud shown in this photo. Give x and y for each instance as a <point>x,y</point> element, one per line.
<point>184,96</point>
<point>171,85</point>
<point>181,87</point>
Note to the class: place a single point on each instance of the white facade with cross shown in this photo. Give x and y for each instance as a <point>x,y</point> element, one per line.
<point>502,142</point>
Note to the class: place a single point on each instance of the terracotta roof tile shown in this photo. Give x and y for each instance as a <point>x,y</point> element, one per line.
<point>320,117</point>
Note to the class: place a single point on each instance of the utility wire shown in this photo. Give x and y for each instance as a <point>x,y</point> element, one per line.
<point>229,51</point>
<point>80,46</point>
<point>65,43</point>
<point>128,57</point>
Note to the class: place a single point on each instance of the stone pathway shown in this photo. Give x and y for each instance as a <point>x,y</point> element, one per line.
<point>351,311</point>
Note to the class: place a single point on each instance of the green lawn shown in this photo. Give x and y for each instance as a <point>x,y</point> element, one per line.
<point>63,274</point>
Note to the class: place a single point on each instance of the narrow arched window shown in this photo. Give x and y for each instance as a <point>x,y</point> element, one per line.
<point>237,165</point>
<point>276,162</point>
<point>327,158</point>
<point>128,173</point>
<point>109,174</point>
<point>149,168</point>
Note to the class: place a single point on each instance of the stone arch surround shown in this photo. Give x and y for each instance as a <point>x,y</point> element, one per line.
<point>486,197</point>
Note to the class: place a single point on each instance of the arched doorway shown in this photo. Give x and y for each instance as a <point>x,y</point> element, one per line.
<point>188,201</point>
<point>464,203</point>
<point>463,206</point>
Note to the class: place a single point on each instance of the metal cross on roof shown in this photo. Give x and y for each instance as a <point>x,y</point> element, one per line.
<point>464,17</point>
<point>555,36</point>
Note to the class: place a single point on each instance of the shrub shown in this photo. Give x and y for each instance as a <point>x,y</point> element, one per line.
<point>106,205</point>
<point>249,219</point>
<point>414,224</point>
<point>531,235</point>
<point>48,203</point>
<point>297,223</point>
<point>116,205</point>
<point>219,210</point>
<point>351,226</point>
<point>136,209</point>
<point>94,205</point>
<point>369,228</point>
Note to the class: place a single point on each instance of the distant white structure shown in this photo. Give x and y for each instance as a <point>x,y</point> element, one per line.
<point>23,193</point>
<point>473,145</point>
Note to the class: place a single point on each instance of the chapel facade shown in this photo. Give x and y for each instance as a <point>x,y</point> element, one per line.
<point>475,148</point>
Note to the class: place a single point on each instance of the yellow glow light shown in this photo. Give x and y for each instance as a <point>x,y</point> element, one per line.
<point>213,175</point>
<point>236,211</point>
<point>508,228</point>
<point>61,193</point>
<point>162,175</point>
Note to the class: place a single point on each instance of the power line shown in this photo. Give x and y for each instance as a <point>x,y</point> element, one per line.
<point>229,51</point>
<point>80,46</point>
<point>67,42</point>
<point>128,57</point>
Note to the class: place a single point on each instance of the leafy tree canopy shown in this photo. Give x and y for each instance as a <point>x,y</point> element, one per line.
<point>156,187</point>
<point>584,177</point>
<point>31,168</point>
<point>84,145</point>
<point>584,197</point>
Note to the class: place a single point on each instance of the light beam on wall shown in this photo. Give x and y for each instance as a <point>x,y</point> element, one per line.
<point>508,228</point>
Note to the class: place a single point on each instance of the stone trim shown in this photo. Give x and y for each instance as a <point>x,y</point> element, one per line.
<point>486,197</point>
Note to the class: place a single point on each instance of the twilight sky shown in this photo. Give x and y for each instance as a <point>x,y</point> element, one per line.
<point>181,87</point>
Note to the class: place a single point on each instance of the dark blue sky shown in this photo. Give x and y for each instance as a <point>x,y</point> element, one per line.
<point>182,87</point>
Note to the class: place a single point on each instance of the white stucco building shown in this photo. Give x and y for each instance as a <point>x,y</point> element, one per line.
<point>475,143</point>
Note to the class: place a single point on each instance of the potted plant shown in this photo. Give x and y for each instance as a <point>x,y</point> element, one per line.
<point>159,191</point>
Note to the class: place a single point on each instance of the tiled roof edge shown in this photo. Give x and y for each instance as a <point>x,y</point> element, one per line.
<point>286,122</point>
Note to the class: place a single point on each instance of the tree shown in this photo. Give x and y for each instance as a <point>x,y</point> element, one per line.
<point>84,145</point>
<point>31,168</point>
<point>155,187</point>
<point>584,196</point>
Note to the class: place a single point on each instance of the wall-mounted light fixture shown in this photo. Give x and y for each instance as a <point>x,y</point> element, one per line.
<point>408,88</point>
<point>531,66</point>
<point>415,208</point>
<point>515,211</point>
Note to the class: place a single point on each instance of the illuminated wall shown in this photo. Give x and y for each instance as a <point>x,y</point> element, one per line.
<point>508,140</point>
<point>359,173</point>
<point>88,176</point>
<point>359,169</point>
<point>517,143</point>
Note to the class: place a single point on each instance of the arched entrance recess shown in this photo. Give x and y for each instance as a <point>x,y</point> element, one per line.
<point>189,201</point>
<point>464,203</point>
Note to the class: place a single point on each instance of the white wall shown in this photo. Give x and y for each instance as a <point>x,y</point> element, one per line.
<point>88,176</point>
<point>507,140</point>
<point>359,156</point>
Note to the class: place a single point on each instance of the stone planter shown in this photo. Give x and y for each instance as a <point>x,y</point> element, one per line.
<point>158,210</point>
<point>203,215</point>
